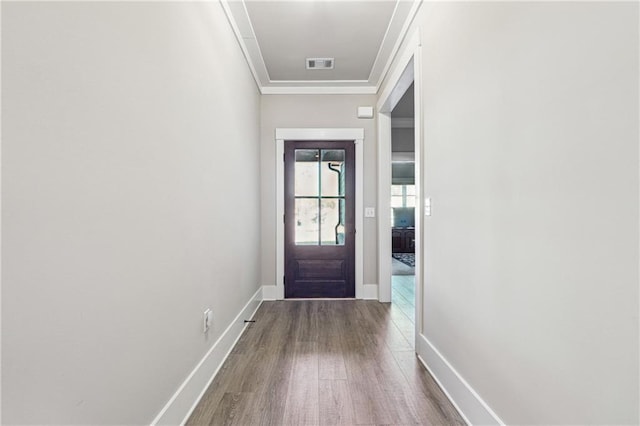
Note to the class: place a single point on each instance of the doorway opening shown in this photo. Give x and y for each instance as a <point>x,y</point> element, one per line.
<point>407,73</point>
<point>356,136</point>
<point>403,207</point>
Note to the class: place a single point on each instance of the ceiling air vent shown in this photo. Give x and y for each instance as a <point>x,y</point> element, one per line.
<point>319,63</point>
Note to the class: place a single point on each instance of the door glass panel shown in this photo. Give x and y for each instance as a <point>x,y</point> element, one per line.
<point>332,222</point>
<point>306,173</point>
<point>319,196</point>
<point>307,226</point>
<point>411,195</point>
<point>332,172</point>
<point>396,201</point>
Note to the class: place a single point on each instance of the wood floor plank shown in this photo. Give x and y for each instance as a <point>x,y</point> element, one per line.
<point>324,363</point>
<point>425,390</point>
<point>269,408</point>
<point>278,358</point>
<point>331,364</point>
<point>301,406</point>
<point>234,409</point>
<point>370,404</point>
<point>335,404</point>
<point>225,381</point>
<point>305,319</point>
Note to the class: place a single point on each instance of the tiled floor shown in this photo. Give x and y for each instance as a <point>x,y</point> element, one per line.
<point>403,305</point>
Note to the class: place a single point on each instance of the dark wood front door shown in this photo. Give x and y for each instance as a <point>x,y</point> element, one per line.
<point>319,219</point>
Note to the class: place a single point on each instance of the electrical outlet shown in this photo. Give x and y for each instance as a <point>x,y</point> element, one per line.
<point>207,319</point>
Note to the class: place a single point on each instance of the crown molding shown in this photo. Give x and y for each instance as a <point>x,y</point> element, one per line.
<point>319,90</point>
<point>415,6</point>
<point>240,22</point>
<point>319,82</point>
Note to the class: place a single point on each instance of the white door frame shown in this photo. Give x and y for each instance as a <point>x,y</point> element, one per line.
<point>336,134</point>
<point>407,69</point>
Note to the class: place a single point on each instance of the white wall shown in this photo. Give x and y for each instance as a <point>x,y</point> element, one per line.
<point>314,111</point>
<point>531,159</point>
<point>125,126</point>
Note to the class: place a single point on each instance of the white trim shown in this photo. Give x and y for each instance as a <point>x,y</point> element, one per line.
<point>400,77</point>
<point>370,292</point>
<point>279,215</point>
<point>384,42</point>
<point>325,134</point>
<point>384,201</point>
<point>422,259</point>
<point>403,122</point>
<point>269,292</point>
<point>401,37</point>
<point>1,328</point>
<point>180,406</point>
<point>360,216</point>
<point>345,134</point>
<point>312,82</point>
<point>473,409</point>
<point>251,50</point>
<point>318,90</point>
<point>257,75</point>
<point>405,72</point>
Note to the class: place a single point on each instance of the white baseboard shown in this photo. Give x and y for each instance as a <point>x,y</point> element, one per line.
<point>184,401</point>
<point>469,404</point>
<point>370,292</point>
<point>269,292</point>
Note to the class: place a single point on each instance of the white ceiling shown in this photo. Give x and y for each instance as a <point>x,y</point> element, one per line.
<point>277,36</point>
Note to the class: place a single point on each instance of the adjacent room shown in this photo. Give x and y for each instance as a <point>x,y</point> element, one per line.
<point>403,207</point>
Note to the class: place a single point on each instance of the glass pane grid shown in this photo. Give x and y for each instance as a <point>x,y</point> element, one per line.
<point>319,196</point>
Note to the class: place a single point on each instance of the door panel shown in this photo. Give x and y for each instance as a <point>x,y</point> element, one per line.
<point>319,219</point>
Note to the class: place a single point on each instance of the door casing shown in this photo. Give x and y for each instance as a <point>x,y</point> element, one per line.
<point>325,134</point>
<point>407,68</point>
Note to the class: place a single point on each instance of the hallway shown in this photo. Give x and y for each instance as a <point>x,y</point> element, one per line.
<point>144,212</point>
<point>324,363</point>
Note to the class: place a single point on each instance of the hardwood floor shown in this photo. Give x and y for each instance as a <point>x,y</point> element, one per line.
<point>324,362</point>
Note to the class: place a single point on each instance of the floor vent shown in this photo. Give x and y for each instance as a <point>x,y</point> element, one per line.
<point>319,63</point>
